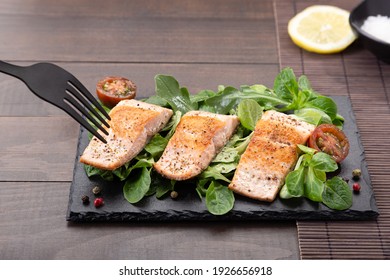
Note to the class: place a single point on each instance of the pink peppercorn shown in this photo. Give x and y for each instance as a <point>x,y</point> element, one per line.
<point>98,202</point>
<point>356,187</point>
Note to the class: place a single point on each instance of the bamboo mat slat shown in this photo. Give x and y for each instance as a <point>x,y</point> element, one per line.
<point>357,74</point>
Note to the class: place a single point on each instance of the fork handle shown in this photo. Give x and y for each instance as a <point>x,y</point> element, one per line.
<point>13,70</point>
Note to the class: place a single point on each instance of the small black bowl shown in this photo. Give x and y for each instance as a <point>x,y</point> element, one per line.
<point>357,17</point>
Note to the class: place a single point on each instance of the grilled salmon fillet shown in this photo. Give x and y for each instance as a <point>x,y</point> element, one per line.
<point>133,123</point>
<point>198,138</point>
<point>271,154</point>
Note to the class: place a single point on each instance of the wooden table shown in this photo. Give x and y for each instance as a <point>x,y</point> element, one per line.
<point>203,44</point>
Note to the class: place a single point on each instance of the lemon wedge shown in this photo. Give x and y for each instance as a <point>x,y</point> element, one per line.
<point>321,29</point>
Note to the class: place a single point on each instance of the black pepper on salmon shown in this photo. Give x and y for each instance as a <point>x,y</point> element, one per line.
<point>198,138</point>
<point>133,123</point>
<point>271,154</point>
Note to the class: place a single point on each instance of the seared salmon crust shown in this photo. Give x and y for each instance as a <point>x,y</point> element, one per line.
<point>133,123</point>
<point>198,138</point>
<point>271,154</point>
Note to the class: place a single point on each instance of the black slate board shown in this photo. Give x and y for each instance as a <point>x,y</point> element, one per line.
<point>190,208</point>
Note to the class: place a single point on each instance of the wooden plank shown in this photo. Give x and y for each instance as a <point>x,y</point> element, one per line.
<point>38,148</point>
<point>32,226</point>
<point>204,32</point>
<point>17,100</point>
<point>345,4</point>
<point>140,8</point>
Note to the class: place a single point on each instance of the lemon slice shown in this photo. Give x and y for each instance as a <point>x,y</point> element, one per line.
<point>321,29</point>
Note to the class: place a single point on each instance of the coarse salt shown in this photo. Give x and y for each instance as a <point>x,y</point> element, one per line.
<point>378,26</point>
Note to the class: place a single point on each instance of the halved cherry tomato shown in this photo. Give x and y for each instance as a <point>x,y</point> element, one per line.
<point>111,90</point>
<point>329,139</point>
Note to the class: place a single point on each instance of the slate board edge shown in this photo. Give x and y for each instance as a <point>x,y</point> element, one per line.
<point>233,216</point>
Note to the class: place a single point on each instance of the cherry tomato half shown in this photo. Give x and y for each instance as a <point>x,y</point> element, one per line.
<point>111,90</point>
<point>329,139</point>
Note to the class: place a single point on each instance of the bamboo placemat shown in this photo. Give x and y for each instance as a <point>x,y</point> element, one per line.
<point>358,74</point>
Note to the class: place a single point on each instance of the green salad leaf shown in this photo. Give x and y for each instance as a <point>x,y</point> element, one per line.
<point>337,194</point>
<point>314,186</point>
<point>224,101</point>
<point>249,112</point>
<point>219,199</point>
<point>167,88</point>
<point>156,146</point>
<point>324,104</point>
<point>137,186</point>
<point>313,116</point>
<point>286,85</point>
<point>309,180</point>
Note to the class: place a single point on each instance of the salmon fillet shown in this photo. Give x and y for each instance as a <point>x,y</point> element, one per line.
<point>133,123</point>
<point>198,138</point>
<point>271,154</point>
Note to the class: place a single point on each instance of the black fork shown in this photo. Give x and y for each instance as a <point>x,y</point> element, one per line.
<point>60,88</point>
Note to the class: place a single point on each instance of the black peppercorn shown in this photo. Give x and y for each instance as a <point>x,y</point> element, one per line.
<point>85,199</point>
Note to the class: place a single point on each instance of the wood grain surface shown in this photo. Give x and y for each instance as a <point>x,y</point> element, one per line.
<point>202,43</point>
<point>139,31</point>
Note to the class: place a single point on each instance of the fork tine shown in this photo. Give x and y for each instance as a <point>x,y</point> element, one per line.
<point>87,104</point>
<point>83,111</point>
<point>81,120</point>
<point>83,90</point>
<point>67,108</point>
